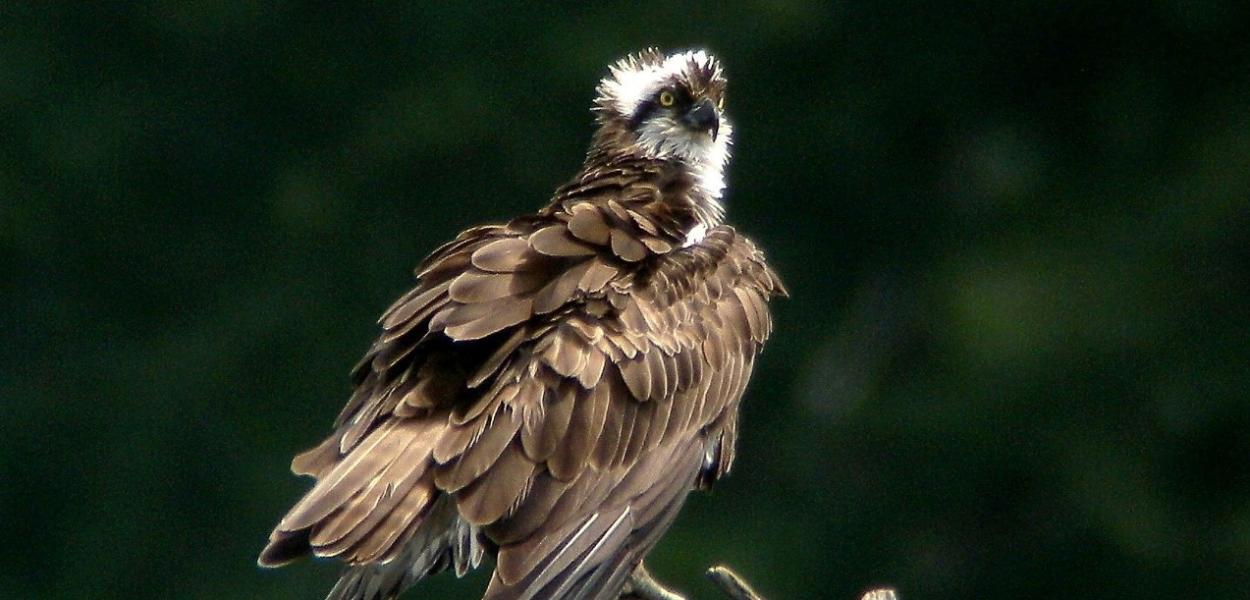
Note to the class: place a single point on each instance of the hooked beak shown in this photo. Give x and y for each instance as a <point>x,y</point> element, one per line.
<point>703,117</point>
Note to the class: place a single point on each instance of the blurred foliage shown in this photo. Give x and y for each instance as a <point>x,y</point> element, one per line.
<point>1017,237</point>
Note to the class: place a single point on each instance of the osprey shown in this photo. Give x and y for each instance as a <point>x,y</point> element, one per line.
<point>552,388</point>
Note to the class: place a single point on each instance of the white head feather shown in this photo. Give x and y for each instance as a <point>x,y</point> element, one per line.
<point>635,80</point>
<point>632,80</point>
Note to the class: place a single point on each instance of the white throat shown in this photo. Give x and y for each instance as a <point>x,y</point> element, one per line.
<point>706,157</point>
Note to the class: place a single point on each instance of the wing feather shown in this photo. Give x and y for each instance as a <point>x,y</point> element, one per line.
<point>628,416</point>
<point>545,491</point>
<point>597,275</point>
<point>374,454</point>
<point>495,494</point>
<point>555,240</point>
<point>541,439</point>
<point>475,287</point>
<point>491,437</point>
<point>554,385</point>
<point>584,433</point>
<point>560,290</point>
<point>588,224</point>
<point>638,377</point>
<point>659,374</point>
<point>501,256</point>
<point>605,446</point>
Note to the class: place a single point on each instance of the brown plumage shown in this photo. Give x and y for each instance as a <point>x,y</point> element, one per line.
<point>552,388</point>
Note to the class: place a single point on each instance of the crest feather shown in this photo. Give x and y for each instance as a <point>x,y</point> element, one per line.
<point>637,76</point>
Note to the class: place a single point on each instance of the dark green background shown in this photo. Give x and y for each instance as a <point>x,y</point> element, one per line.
<point>1014,364</point>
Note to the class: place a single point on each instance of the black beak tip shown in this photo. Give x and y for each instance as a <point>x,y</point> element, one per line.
<point>703,117</point>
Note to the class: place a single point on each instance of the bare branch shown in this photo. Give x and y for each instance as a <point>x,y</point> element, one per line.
<point>732,584</point>
<point>642,586</point>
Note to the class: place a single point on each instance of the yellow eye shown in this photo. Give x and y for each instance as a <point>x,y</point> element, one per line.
<point>667,98</point>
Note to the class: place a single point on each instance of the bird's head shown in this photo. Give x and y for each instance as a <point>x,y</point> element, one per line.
<point>667,107</point>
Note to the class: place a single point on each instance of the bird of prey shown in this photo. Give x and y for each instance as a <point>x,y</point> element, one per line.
<point>553,387</point>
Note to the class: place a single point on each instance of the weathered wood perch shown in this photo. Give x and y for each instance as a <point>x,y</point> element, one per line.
<point>644,587</point>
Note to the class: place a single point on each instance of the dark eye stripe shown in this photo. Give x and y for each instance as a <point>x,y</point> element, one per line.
<point>682,101</point>
<point>643,111</point>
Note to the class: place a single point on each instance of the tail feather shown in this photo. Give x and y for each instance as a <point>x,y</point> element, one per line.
<point>442,540</point>
<point>590,559</point>
<point>284,548</point>
<point>383,481</point>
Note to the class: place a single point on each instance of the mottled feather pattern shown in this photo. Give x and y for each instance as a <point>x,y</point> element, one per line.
<point>548,392</point>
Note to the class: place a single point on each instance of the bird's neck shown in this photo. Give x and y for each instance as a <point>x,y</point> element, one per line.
<point>708,191</point>
<point>700,184</point>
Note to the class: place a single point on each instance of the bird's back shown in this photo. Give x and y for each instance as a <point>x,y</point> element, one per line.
<point>548,393</point>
